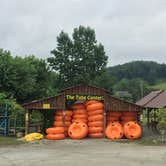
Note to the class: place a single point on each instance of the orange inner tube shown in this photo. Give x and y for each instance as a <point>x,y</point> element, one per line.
<point>60,123</point>
<point>90,102</point>
<point>132,130</point>
<point>95,106</point>
<point>96,135</point>
<point>61,117</point>
<point>114,131</point>
<point>80,111</point>
<point>95,130</point>
<point>55,130</point>
<point>59,113</point>
<point>55,136</point>
<point>116,123</point>
<point>78,106</point>
<point>95,124</point>
<point>66,112</point>
<point>80,116</point>
<point>109,121</point>
<point>96,117</point>
<point>78,130</point>
<point>96,112</point>
<point>80,120</point>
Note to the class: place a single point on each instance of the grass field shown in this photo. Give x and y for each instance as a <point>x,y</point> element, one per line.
<point>9,141</point>
<point>161,85</point>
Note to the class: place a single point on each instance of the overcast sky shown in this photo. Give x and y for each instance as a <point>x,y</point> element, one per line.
<point>129,29</point>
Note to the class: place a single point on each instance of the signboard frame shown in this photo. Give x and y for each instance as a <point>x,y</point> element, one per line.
<point>71,99</point>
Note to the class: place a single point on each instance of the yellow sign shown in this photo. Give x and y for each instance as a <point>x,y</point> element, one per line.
<point>46,106</point>
<point>84,97</point>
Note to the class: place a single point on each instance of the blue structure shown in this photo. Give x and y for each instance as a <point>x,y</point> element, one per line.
<point>4,121</point>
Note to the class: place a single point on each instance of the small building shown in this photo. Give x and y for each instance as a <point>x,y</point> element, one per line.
<point>151,102</point>
<point>154,100</point>
<point>70,95</point>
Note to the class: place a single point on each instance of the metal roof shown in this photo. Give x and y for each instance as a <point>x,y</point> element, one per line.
<point>155,99</point>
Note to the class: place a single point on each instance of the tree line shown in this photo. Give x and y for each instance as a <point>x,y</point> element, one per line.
<point>137,77</point>
<point>78,59</point>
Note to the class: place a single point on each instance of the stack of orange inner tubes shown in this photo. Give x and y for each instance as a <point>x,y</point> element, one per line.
<point>114,130</point>
<point>129,116</point>
<point>79,113</point>
<point>63,119</point>
<point>132,130</point>
<point>95,111</point>
<point>78,130</point>
<point>113,116</point>
<point>56,133</point>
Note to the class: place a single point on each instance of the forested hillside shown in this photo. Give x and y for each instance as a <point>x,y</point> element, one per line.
<point>138,78</point>
<point>146,70</point>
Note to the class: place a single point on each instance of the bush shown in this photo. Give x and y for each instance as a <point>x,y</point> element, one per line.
<point>161,115</point>
<point>15,110</point>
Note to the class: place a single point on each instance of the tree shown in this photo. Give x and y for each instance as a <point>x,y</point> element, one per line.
<point>133,86</point>
<point>26,78</point>
<point>78,60</point>
<point>15,110</point>
<point>149,71</point>
<point>161,116</point>
<point>105,81</point>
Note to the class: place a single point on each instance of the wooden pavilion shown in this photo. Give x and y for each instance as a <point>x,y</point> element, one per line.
<point>152,102</point>
<point>68,96</point>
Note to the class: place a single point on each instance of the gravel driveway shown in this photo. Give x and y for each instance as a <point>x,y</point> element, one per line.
<point>87,152</point>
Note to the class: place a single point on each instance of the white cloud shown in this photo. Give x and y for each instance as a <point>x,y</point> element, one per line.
<point>130,30</point>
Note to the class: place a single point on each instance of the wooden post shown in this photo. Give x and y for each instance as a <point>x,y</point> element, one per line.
<point>27,119</point>
<point>63,117</point>
<point>155,120</point>
<point>148,122</point>
<point>15,125</point>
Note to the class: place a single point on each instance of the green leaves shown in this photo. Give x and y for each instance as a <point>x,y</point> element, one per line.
<point>161,117</point>
<point>78,60</point>
<point>14,108</point>
<point>26,78</point>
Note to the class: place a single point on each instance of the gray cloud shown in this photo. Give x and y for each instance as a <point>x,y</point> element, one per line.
<point>130,29</point>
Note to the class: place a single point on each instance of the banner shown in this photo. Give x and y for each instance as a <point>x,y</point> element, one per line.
<point>70,99</point>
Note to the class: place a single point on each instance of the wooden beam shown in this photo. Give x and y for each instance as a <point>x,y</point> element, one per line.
<point>27,122</point>
<point>148,121</point>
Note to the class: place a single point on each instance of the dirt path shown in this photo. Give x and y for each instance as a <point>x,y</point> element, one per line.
<point>86,152</point>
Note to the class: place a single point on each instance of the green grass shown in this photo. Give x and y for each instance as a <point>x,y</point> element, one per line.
<point>9,141</point>
<point>161,85</point>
